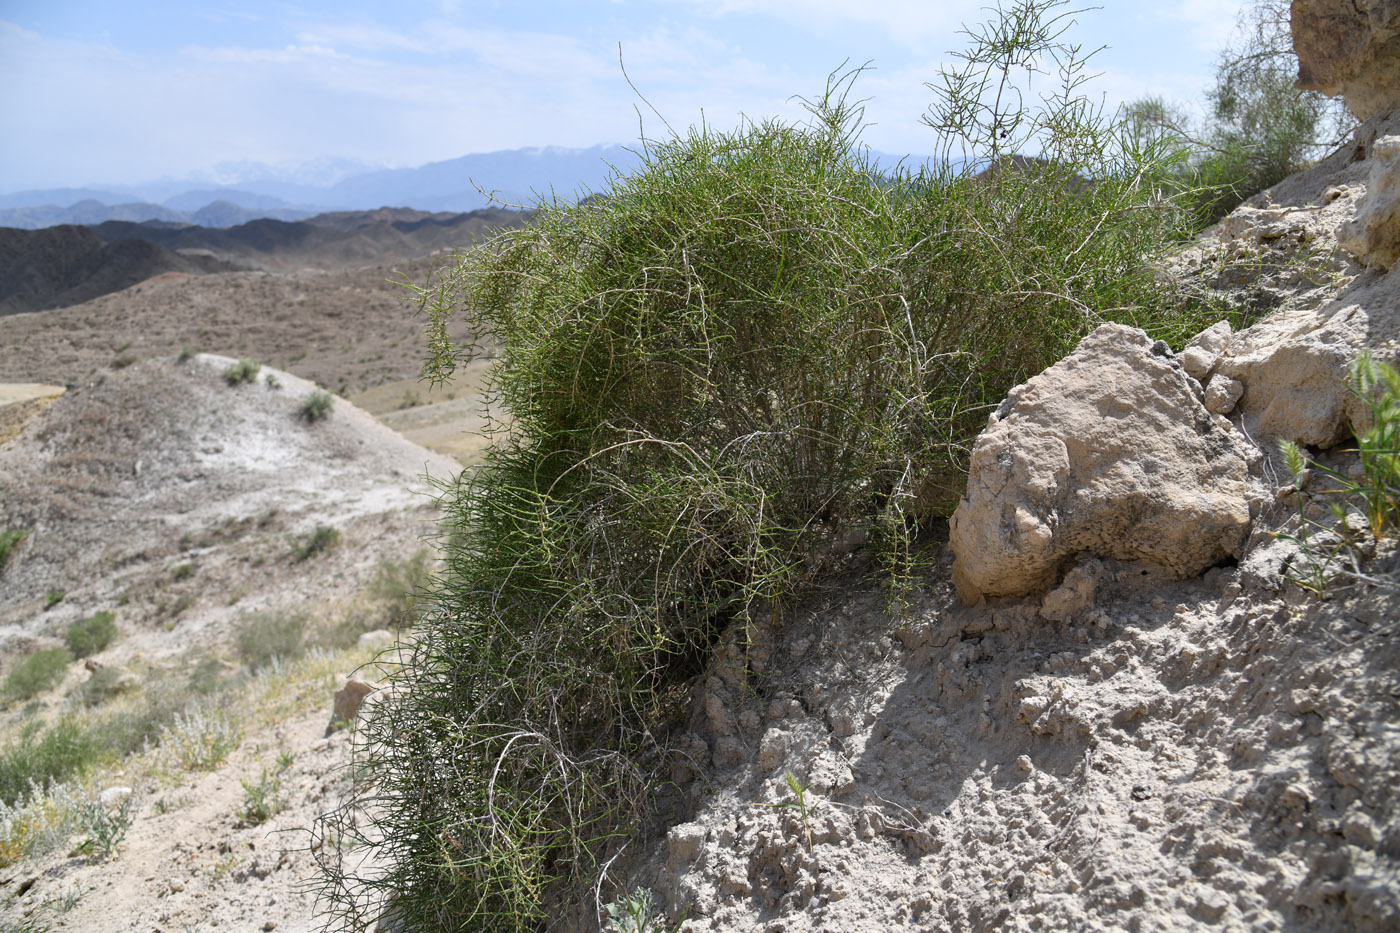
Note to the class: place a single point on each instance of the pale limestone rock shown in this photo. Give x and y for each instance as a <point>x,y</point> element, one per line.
<point>1373,235</point>
<point>1200,354</point>
<point>1350,48</point>
<point>1108,451</point>
<point>112,798</point>
<point>1075,595</point>
<point>375,640</point>
<point>1222,394</point>
<point>1294,365</point>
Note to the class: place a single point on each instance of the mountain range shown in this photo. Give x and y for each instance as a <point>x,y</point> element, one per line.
<point>468,183</point>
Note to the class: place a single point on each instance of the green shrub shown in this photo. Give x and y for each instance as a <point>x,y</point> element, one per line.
<point>244,371</point>
<point>41,671</point>
<point>317,542</point>
<point>64,750</point>
<point>261,799</point>
<point>266,635</point>
<point>10,539</point>
<point>753,347</point>
<point>317,405</point>
<point>186,354</point>
<point>53,598</point>
<point>92,634</point>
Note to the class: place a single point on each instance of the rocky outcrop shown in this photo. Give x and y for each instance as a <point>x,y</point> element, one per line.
<point>1350,48</point>
<point>1373,235</point>
<point>1109,451</point>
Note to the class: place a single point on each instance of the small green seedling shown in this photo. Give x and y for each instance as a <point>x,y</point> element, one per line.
<point>799,803</point>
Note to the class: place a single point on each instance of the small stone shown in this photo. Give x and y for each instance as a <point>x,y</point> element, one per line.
<point>270,925</point>
<point>375,640</point>
<point>1222,394</point>
<point>114,797</point>
<point>348,700</point>
<point>1024,764</point>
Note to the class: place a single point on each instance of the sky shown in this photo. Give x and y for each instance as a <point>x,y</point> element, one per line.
<point>95,92</point>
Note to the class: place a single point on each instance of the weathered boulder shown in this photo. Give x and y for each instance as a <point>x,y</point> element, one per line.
<point>348,700</point>
<point>1294,365</point>
<point>1349,48</point>
<point>1109,451</point>
<point>1373,235</point>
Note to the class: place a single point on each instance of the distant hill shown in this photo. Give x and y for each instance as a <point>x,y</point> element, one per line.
<point>218,213</point>
<point>331,241</point>
<point>67,265</point>
<point>60,266</point>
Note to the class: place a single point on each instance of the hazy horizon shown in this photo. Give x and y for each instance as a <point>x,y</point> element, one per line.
<point>103,95</point>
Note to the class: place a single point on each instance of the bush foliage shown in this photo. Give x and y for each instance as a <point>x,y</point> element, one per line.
<point>754,345</point>
<point>92,634</point>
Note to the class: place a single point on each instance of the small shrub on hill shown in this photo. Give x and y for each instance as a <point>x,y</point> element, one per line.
<point>267,635</point>
<point>242,372</point>
<point>10,540</point>
<point>63,750</point>
<point>317,405</point>
<point>92,634</point>
<point>40,671</point>
<point>319,541</point>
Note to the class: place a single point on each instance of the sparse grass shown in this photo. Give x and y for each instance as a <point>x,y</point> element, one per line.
<point>242,372</point>
<point>271,381</point>
<point>182,571</point>
<point>317,405</point>
<point>186,354</point>
<point>38,672</point>
<point>92,634</point>
<point>169,722</point>
<point>10,540</point>
<point>319,541</point>
<point>53,598</point>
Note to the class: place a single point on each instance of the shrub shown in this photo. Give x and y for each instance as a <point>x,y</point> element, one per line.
<point>754,346</point>
<point>91,635</point>
<point>317,542</point>
<point>262,799</point>
<point>64,750</point>
<point>267,635</point>
<point>186,354</point>
<point>317,405</point>
<point>10,539</point>
<point>53,598</point>
<point>41,671</point>
<point>201,738</point>
<point>244,371</point>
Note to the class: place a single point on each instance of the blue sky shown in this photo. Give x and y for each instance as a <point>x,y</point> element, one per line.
<point>98,93</point>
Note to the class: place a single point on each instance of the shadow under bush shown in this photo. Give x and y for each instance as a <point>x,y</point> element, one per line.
<point>752,347</point>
